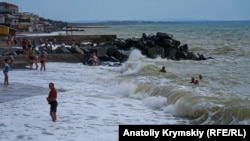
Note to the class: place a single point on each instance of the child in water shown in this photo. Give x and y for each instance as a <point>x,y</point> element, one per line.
<point>6,69</point>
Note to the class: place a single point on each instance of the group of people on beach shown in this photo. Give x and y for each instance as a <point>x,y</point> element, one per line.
<point>28,47</point>
<point>52,96</point>
<point>10,39</point>
<point>34,58</point>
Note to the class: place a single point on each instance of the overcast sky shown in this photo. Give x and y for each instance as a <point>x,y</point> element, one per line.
<point>92,10</point>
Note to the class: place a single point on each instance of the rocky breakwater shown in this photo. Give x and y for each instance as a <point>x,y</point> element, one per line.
<point>152,46</point>
<point>115,50</point>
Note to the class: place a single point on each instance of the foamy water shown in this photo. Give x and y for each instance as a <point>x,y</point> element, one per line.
<point>91,105</point>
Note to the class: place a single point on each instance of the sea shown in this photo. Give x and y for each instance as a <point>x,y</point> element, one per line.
<point>222,97</point>
<point>97,99</point>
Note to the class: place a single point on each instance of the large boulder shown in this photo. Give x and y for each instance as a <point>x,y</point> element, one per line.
<point>101,51</point>
<point>62,50</point>
<point>162,35</point>
<point>153,52</point>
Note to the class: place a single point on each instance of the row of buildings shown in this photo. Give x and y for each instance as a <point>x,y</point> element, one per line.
<point>23,22</point>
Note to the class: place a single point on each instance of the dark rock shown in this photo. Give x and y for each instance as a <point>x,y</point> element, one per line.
<point>62,50</point>
<point>155,51</point>
<point>101,51</point>
<point>172,53</point>
<point>175,43</point>
<point>76,49</point>
<point>184,48</point>
<point>162,35</point>
<point>113,59</point>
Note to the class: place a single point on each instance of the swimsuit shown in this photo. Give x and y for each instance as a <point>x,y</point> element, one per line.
<point>6,69</point>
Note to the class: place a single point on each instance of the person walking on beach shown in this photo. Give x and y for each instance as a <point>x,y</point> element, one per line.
<point>6,69</point>
<point>43,59</point>
<point>52,100</point>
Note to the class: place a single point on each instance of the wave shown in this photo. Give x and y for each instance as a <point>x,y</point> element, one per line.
<point>211,102</point>
<point>225,50</point>
<point>199,107</point>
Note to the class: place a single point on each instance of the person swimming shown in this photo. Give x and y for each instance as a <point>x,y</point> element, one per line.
<point>163,69</point>
<point>200,76</point>
<point>192,80</point>
<point>196,82</point>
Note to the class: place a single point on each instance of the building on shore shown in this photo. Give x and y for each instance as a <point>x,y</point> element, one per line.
<point>23,22</point>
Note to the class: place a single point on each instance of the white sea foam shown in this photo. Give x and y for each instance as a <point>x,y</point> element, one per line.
<point>89,108</point>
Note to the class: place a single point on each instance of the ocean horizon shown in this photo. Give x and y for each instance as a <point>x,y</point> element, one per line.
<point>111,22</point>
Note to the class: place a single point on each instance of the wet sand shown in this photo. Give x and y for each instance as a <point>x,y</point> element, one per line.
<point>16,91</point>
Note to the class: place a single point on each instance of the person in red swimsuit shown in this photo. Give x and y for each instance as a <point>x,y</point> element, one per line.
<point>52,101</point>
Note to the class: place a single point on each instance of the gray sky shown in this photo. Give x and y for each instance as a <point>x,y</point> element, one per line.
<point>92,10</point>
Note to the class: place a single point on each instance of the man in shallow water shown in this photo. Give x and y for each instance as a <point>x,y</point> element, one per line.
<point>52,101</point>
